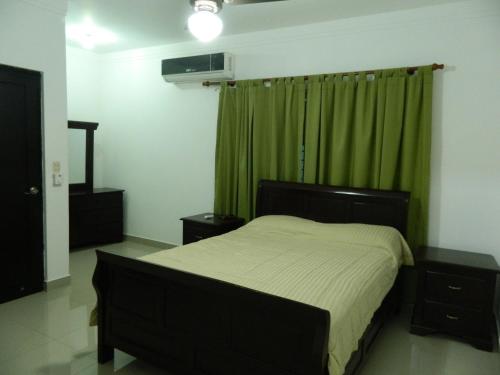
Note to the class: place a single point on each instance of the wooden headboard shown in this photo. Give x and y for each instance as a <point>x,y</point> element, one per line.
<point>332,204</point>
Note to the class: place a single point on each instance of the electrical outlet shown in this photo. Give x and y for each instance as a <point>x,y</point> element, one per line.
<point>56,179</point>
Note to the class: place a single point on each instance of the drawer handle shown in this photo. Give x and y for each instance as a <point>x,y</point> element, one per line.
<point>457,288</point>
<point>452,317</point>
<point>198,237</point>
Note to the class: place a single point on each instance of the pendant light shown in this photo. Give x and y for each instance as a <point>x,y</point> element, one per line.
<point>205,24</point>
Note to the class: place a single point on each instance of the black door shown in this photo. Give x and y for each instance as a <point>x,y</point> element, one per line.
<point>21,229</point>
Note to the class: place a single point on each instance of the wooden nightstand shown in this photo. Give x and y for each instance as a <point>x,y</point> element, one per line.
<point>198,227</point>
<point>455,295</point>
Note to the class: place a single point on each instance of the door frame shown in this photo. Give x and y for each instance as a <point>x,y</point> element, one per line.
<point>36,169</point>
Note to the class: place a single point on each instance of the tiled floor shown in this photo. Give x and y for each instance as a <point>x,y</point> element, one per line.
<point>47,334</point>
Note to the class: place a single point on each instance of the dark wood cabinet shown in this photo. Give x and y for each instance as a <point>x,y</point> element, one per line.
<point>455,295</point>
<point>95,217</point>
<point>199,227</point>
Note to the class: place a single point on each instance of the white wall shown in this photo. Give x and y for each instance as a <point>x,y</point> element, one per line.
<point>32,37</point>
<point>159,146</point>
<point>84,98</point>
<point>159,141</point>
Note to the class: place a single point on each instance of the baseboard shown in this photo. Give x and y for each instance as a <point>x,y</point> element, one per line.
<point>63,281</point>
<point>149,242</point>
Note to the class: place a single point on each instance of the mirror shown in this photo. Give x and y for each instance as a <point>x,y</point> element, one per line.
<point>76,145</point>
<point>81,155</point>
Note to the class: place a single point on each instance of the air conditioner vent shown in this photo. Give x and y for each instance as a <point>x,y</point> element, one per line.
<point>198,68</point>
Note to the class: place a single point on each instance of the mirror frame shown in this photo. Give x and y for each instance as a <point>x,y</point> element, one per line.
<point>89,128</point>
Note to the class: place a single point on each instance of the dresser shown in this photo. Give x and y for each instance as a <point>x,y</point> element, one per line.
<point>199,227</point>
<point>95,217</point>
<point>456,294</point>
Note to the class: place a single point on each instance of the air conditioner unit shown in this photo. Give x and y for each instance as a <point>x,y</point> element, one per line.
<point>218,66</point>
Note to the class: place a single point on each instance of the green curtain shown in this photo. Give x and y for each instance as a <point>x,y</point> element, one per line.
<point>359,130</point>
<point>373,131</point>
<point>259,136</point>
<point>232,155</point>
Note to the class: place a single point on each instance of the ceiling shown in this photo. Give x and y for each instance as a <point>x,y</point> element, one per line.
<point>145,23</point>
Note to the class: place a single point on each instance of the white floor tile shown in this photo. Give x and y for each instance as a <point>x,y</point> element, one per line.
<point>397,352</point>
<point>48,334</point>
<point>123,365</point>
<point>82,341</point>
<point>16,340</point>
<point>49,359</point>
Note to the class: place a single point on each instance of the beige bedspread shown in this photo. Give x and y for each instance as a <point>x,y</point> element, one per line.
<point>346,269</point>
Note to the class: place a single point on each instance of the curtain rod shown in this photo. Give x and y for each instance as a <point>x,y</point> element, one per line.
<point>410,70</point>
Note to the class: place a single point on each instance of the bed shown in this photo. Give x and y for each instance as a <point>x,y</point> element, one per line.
<point>178,310</point>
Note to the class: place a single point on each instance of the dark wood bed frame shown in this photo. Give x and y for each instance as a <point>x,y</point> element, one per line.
<point>195,325</point>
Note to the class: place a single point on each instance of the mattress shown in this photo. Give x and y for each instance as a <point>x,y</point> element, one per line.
<point>346,269</point>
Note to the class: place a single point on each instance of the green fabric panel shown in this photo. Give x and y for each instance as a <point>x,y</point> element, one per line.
<point>326,133</point>
<point>365,135</point>
<point>392,131</point>
<point>243,187</point>
<point>278,111</point>
<point>312,131</point>
<point>416,160</point>
<point>379,124</point>
<point>259,136</point>
<point>343,113</point>
<point>370,131</point>
<point>268,115</point>
<point>295,96</point>
<point>223,166</point>
<point>373,131</point>
<point>232,152</point>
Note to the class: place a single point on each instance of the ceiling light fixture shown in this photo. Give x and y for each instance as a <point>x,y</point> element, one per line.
<point>88,35</point>
<point>205,24</point>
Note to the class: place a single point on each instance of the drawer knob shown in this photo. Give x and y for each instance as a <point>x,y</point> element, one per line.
<point>452,317</point>
<point>457,288</point>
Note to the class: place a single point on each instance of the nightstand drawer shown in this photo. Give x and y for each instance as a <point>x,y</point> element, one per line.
<point>200,227</point>
<point>456,295</point>
<point>454,289</point>
<point>101,216</point>
<point>453,319</point>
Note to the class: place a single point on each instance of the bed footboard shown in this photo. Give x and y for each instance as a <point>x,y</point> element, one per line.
<point>195,325</point>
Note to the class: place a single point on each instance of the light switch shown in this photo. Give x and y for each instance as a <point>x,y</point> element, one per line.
<point>56,173</point>
<point>56,167</point>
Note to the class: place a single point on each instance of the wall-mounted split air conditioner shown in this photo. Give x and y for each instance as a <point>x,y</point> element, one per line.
<point>216,66</point>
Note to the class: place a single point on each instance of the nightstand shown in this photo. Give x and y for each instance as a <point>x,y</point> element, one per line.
<point>198,227</point>
<point>456,295</point>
